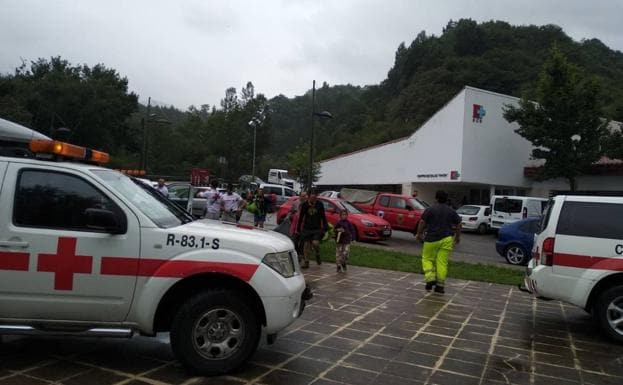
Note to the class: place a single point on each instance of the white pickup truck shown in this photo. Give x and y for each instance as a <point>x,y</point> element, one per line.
<point>88,251</point>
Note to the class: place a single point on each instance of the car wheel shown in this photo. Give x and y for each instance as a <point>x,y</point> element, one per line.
<point>483,228</point>
<point>214,332</point>
<point>608,312</point>
<point>516,255</point>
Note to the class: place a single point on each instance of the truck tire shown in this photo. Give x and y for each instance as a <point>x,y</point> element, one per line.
<point>608,312</point>
<point>214,332</point>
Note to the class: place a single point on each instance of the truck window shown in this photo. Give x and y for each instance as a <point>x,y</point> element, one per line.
<point>384,201</point>
<point>54,200</point>
<point>591,219</point>
<point>397,203</point>
<point>505,205</point>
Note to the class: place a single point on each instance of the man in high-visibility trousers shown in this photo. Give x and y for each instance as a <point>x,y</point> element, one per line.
<point>443,230</point>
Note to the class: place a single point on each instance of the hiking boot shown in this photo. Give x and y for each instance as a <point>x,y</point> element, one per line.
<point>429,285</point>
<point>439,289</point>
<point>318,259</point>
<point>344,267</point>
<point>338,268</point>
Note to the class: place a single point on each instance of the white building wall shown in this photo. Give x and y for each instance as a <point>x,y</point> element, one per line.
<point>493,153</point>
<point>428,155</point>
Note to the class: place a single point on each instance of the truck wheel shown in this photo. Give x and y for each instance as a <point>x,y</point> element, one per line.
<point>516,254</point>
<point>214,332</point>
<point>608,312</point>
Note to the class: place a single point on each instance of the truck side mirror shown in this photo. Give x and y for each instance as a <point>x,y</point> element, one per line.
<point>105,220</point>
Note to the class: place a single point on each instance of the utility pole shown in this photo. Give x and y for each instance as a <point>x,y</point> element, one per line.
<point>144,127</point>
<point>311,141</point>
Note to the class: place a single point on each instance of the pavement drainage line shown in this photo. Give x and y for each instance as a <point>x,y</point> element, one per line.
<point>443,356</point>
<point>494,340</point>
<point>576,360</point>
<point>317,343</point>
<point>364,342</point>
<point>533,343</point>
<point>129,376</point>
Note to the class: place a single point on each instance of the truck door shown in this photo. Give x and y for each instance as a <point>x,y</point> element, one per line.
<point>399,212</point>
<point>51,256</point>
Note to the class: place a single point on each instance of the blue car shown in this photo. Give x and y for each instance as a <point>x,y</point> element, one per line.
<point>515,240</point>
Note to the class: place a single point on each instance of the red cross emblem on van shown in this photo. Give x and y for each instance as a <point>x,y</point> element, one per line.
<point>65,263</point>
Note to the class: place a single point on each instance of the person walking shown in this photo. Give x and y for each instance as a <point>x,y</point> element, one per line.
<point>214,201</point>
<point>162,189</point>
<point>262,205</point>
<point>311,225</point>
<point>440,223</point>
<point>293,214</point>
<point>344,235</point>
<point>232,205</point>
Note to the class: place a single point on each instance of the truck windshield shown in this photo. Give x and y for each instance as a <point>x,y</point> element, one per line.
<point>350,208</point>
<point>150,202</point>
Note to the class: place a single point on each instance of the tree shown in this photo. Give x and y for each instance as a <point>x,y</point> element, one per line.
<point>562,121</point>
<point>298,162</point>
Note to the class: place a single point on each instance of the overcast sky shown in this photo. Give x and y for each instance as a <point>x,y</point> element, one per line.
<point>188,52</point>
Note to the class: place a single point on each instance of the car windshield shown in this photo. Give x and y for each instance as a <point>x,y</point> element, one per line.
<point>468,210</point>
<point>150,202</point>
<point>350,208</point>
<point>418,204</point>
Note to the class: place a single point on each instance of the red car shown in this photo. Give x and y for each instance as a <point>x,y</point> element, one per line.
<point>368,227</point>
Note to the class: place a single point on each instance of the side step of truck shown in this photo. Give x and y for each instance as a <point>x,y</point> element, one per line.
<point>95,332</point>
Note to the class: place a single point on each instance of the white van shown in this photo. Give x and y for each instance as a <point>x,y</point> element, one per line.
<point>577,257</point>
<point>508,209</point>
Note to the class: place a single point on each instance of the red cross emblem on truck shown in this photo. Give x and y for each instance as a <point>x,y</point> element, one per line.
<point>65,263</point>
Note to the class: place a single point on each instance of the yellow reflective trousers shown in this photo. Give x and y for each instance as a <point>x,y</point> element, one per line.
<point>435,259</point>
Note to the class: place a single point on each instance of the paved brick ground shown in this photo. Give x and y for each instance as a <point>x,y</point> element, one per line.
<point>365,327</point>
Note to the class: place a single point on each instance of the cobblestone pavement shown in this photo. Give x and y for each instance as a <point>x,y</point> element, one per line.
<point>364,327</point>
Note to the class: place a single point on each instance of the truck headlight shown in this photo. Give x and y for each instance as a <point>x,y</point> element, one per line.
<point>367,223</point>
<point>282,263</point>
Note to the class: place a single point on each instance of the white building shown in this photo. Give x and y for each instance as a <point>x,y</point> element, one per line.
<point>468,149</point>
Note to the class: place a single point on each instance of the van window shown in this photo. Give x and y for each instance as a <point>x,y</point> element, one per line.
<point>591,219</point>
<point>547,213</point>
<point>506,205</point>
<point>487,211</point>
<point>272,190</point>
<point>289,192</point>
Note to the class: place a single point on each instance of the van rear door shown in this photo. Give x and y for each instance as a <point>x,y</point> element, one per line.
<point>506,210</point>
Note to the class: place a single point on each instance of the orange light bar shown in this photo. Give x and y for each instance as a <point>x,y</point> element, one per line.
<point>68,150</point>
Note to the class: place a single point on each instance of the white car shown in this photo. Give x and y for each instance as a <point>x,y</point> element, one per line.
<point>577,257</point>
<point>475,218</point>
<point>330,194</point>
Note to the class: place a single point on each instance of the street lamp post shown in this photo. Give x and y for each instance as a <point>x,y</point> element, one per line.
<point>323,114</point>
<point>253,122</point>
<point>149,118</point>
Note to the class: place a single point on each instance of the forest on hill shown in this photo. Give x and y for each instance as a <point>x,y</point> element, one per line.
<point>94,103</point>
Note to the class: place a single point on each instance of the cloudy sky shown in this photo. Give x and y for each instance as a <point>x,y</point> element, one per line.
<point>188,52</point>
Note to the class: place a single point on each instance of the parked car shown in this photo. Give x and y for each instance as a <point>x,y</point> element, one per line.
<point>515,240</point>
<point>475,218</point>
<point>368,227</point>
<point>282,193</point>
<point>330,194</point>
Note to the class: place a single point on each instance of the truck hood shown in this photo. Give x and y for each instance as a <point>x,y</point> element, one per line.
<point>250,241</point>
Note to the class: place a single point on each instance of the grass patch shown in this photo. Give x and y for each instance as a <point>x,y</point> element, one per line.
<point>394,260</point>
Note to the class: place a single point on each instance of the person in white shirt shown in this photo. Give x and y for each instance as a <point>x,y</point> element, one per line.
<point>232,205</point>
<point>162,189</point>
<point>214,201</point>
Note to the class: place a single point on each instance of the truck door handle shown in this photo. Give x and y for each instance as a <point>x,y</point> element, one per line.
<point>9,244</point>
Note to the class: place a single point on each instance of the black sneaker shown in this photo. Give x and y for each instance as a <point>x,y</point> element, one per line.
<point>344,267</point>
<point>429,285</point>
<point>439,289</point>
<point>338,268</point>
<point>318,259</point>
